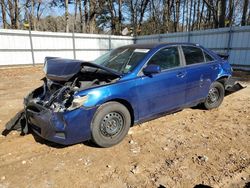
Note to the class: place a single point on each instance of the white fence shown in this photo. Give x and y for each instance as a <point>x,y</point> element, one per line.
<point>24,47</point>
<point>235,41</point>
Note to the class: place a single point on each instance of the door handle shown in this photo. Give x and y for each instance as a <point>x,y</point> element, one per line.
<point>214,67</point>
<point>181,74</point>
<point>201,81</point>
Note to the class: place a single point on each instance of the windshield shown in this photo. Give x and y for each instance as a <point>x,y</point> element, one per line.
<point>122,60</point>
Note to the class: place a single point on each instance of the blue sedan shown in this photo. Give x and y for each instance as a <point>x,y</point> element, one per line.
<point>101,100</point>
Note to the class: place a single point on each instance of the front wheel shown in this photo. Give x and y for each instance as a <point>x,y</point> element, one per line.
<point>110,124</point>
<point>215,96</point>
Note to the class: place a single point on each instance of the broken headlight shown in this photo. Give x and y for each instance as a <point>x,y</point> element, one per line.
<point>78,102</point>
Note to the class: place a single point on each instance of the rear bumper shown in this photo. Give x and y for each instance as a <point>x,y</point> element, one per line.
<point>231,86</point>
<point>60,127</point>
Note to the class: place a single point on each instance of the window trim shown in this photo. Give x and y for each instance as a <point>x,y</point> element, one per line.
<point>140,73</point>
<point>204,52</point>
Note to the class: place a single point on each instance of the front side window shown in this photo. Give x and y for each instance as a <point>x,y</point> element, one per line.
<point>193,55</point>
<point>166,58</point>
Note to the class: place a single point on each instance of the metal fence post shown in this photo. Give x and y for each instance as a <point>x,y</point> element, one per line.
<point>159,38</point>
<point>229,40</point>
<point>189,35</point>
<point>134,40</point>
<point>31,47</point>
<point>109,42</point>
<point>74,44</point>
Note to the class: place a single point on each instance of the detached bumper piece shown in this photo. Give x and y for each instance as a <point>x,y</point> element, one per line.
<point>18,122</point>
<point>232,86</point>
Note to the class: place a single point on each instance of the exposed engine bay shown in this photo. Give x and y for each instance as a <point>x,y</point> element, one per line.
<point>63,79</point>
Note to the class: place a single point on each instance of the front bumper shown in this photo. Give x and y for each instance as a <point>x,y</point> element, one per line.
<point>65,128</point>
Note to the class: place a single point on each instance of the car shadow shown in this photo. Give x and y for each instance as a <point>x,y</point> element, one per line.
<point>41,140</point>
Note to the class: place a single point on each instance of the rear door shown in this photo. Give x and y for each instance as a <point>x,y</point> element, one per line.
<point>163,91</point>
<point>199,69</point>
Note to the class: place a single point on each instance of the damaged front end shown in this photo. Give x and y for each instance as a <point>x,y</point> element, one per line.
<point>55,111</point>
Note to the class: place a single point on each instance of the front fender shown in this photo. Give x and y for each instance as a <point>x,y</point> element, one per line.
<point>120,91</point>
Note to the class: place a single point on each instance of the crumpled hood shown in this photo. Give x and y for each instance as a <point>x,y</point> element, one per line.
<point>59,69</point>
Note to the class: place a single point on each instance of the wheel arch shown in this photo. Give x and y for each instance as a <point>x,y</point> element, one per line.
<point>222,79</point>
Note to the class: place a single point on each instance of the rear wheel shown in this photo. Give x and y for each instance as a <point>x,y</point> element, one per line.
<point>110,124</point>
<point>215,96</point>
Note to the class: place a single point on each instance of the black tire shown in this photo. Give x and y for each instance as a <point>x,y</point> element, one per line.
<point>215,96</point>
<point>110,124</point>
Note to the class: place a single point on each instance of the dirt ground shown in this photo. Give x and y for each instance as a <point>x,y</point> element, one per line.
<point>184,149</point>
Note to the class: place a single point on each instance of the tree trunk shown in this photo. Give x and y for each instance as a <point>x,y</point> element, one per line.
<point>198,15</point>
<point>166,23</point>
<point>92,16</point>
<point>66,16</point>
<point>221,12</point>
<point>153,18</point>
<point>81,18</point>
<point>12,14</point>
<point>119,16</point>
<point>16,14</point>
<point>86,16</point>
<point>38,15</point>
<point>75,15</point>
<point>244,13</point>
<point>201,15</point>
<point>194,13</point>
<point>248,19</point>
<point>190,14</point>
<point>3,14</point>
<point>112,16</point>
<point>231,12</point>
<point>133,16</point>
<point>32,19</point>
<point>183,15</point>
<point>177,15</point>
<point>143,7</point>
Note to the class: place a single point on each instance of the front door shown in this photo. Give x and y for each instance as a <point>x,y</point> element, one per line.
<point>164,91</point>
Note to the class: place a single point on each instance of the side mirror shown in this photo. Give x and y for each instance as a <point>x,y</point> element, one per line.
<point>151,69</point>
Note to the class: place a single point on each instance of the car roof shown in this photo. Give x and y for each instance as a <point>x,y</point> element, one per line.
<point>158,44</point>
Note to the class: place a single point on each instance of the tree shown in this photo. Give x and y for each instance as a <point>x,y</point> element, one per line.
<point>231,12</point>
<point>80,12</point>
<point>244,13</point>
<point>66,16</point>
<point>140,16</point>
<point>3,10</point>
<point>221,12</point>
<point>137,10</point>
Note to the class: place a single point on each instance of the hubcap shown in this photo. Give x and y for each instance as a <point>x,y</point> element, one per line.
<point>111,124</point>
<point>213,95</point>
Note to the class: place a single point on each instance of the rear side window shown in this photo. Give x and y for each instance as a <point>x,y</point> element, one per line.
<point>166,58</point>
<point>193,55</point>
<point>208,57</point>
